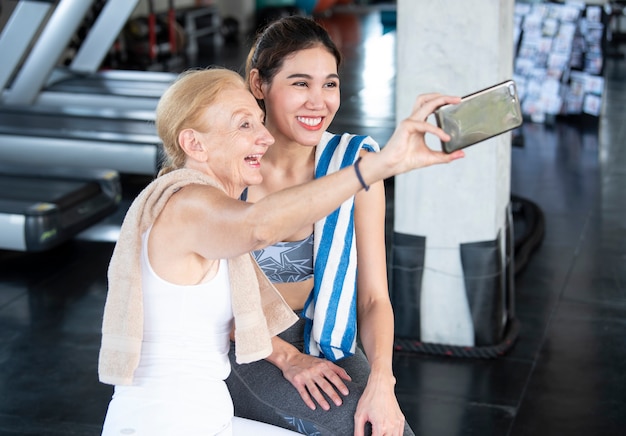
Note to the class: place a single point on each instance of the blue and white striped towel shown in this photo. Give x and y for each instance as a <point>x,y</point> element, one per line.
<point>330,311</point>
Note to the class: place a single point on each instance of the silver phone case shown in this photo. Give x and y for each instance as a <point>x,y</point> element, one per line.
<point>480,116</point>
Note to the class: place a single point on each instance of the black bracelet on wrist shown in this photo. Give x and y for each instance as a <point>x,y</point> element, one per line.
<point>358,174</point>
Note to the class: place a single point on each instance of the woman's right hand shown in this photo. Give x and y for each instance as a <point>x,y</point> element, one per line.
<point>406,149</point>
<point>311,376</point>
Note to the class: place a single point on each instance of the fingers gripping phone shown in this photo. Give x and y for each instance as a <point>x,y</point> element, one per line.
<point>480,115</point>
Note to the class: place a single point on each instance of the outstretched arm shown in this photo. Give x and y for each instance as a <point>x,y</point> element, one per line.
<point>244,226</point>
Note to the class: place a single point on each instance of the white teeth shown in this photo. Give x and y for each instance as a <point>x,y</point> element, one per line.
<point>310,121</point>
<point>253,157</point>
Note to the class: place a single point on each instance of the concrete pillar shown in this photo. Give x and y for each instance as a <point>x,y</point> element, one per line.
<point>452,223</point>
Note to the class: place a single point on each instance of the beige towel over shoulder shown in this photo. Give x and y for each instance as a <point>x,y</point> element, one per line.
<point>259,310</point>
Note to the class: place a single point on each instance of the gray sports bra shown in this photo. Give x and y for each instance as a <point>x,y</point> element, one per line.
<point>286,262</point>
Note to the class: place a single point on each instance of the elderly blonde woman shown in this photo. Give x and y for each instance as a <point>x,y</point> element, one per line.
<point>181,276</point>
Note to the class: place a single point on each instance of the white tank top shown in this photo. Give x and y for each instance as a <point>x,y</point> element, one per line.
<point>178,387</point>
<point>187,326</point>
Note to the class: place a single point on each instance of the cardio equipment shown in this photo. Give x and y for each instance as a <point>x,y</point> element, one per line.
<point>62,150</point>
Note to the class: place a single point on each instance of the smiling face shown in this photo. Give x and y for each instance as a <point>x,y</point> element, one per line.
<point>302,98</point>
<point>234,140</point>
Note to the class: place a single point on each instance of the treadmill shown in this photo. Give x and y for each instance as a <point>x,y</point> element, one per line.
<point>80,130</point>
<point>43,208</point>
<point>43,202</point>
<point>42,84</point>
<point>50,139</point>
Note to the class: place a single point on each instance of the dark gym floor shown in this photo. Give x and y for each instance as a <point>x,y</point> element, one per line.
<point>565,375</point>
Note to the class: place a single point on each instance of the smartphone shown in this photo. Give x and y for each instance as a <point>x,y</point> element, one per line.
<point>480,115</point>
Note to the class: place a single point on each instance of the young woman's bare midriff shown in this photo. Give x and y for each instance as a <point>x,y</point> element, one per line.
<point>295,294</point>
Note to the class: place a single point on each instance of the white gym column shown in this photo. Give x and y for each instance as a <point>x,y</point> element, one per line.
<point>453,47</point>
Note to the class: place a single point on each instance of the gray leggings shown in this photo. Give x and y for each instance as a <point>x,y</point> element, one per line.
<point>260,392</point>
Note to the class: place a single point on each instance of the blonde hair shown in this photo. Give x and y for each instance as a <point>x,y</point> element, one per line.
<point>181,107</point>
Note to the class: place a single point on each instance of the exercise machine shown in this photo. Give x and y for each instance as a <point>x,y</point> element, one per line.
<point>41,82</point>
<point>41,208</point>
<point>76,129</point>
